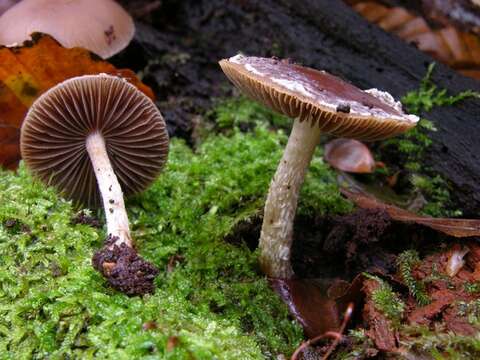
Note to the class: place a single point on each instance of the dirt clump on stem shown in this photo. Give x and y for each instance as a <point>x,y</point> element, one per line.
<point>124,269</point>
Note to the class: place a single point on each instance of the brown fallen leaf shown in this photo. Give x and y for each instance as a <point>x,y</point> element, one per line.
<point>452,227</point>
<point>9,147</point>
<point>349,155</point>
<point>172,343</point>
<point>29,70</point>
<point>310,304</point>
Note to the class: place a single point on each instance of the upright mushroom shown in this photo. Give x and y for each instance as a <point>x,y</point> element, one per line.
<point>319,103</point>
<point>99,129</point>
<point>101,26</point>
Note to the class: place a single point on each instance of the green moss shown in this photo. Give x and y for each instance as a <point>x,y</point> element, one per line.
<point>387,301</point>
<point>429,95</point>
<point>405,262</point>
<point>436,189</point>
<point>53,304</point>
<point>472,287</point>
<point>242,113</point>
<point>423,342</point>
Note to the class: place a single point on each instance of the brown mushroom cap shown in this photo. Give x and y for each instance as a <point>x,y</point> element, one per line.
<point>101,26</point>
<point>338,107</point>
<point>349,155</point>
<point>57,125</point>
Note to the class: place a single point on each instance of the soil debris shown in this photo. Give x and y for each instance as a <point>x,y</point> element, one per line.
<point>447,293</point>
<point>82,218</point>
<point>124,269</point>
<point>454,306</point>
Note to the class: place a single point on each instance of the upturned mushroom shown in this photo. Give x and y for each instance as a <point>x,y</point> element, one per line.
<point>101,26</point>
<point>349,155</point>
<point>94,137</point>
<point>319,103</point>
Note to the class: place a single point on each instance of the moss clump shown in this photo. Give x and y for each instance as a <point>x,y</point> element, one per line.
<point>244,114</point>
<point>214,302</point>
<point>472,287</point>
<point>406,261</point>
<point>423,342</point>
<point>387,301</point>
<point>429,95</point>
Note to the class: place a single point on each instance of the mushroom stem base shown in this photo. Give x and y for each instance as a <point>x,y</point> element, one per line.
<point>112,195</point>
<point>281,205</point>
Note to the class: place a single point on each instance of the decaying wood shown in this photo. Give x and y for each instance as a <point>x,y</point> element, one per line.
<point>190,36</point>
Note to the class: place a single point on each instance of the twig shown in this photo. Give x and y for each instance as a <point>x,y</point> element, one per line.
<point>336,335</point>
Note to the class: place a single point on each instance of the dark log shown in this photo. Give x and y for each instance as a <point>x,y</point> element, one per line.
<point>190,36</point>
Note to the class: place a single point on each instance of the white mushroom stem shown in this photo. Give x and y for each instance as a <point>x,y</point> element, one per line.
<point>281,205</point>
<point>112,195</point>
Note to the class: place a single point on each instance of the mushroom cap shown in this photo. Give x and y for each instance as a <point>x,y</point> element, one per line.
<point>101,26</point>
<point>349,155</point>
<point>337,107</point>
<point>54,132</point>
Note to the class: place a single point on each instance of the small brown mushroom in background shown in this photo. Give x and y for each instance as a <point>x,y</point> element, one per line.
<point>101,26</point>
<point>99,129</point>
<point>349,155</point>
<point>319,103</point>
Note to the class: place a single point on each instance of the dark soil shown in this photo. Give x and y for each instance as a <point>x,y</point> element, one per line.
<point>124,269</point>
<point>344,246</point>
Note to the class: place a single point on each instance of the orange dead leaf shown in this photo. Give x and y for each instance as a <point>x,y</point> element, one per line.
<point>29,70</point>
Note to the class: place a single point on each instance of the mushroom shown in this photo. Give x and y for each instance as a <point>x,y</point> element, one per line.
<point>99,129</point>
<point>101,26</point>
<point>319,103</point>
<point>349,155</point>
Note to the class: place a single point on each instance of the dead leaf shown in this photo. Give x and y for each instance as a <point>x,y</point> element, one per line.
<point>452,227</point>
<point>172,343</point>
<point>309,304</point>
<point>9,146</point>
<point>29,70</point>
<point>349,155</point>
